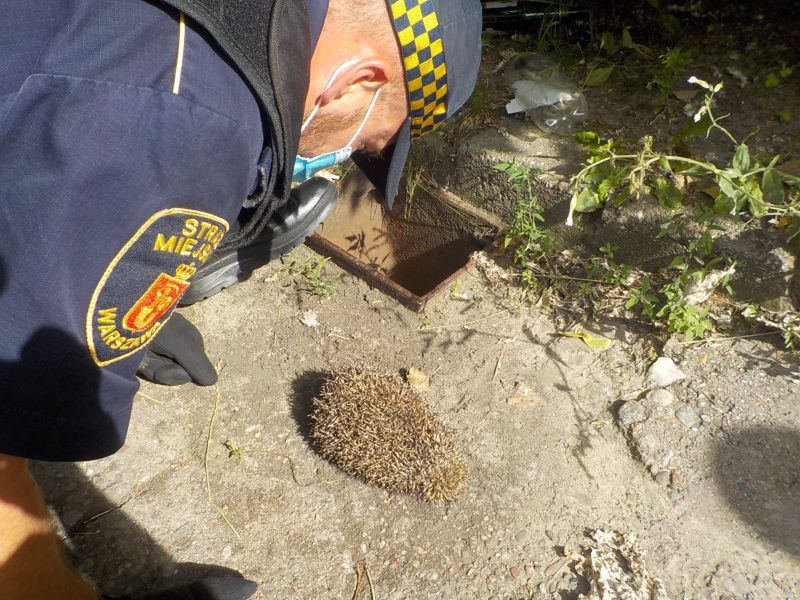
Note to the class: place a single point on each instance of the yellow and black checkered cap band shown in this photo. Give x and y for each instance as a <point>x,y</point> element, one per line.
<point>421,45</point>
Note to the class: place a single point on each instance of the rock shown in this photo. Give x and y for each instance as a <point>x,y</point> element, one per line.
<point>661,398</point>
<point>687,416</point>
<point>663,373</point>
<point>736,584</point>
<point>515,571</point>
<point>663,478</point>
<point>632,412</point>
<point>651,448</point>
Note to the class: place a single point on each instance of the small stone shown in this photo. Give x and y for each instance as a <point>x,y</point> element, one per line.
<point>467,556</point>
<point>515,571</point>
<point>521,535</point>
<point>227,551</point>
<point>663,478</point>
<point>661,398</point>
<point>664,372</point>
<point>687,416</point>
<point>632,412</point>
<point>310,319</point>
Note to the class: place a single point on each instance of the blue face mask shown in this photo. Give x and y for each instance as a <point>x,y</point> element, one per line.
<point>304,168</point>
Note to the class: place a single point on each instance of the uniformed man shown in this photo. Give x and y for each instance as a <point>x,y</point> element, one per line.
<point>148,147</point>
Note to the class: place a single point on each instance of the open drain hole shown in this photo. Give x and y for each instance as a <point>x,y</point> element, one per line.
<point>410,252</point>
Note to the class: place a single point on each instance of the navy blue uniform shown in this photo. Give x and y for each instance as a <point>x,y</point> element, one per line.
<point>127,146</point>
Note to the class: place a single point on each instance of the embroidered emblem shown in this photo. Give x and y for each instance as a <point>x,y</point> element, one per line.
<point>143,283</point>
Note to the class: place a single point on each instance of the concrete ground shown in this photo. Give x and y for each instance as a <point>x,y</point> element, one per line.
<point>535,412</point>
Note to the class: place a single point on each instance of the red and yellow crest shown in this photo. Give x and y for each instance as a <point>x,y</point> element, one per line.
<point>145,280</point>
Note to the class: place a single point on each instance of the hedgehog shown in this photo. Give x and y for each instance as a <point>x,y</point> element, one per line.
<point>377,428</point>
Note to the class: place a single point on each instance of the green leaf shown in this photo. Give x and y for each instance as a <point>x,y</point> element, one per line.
<point>755,199</point>
<point>724,204</point>
<point>773,80</point>
<point>588,139</point>
<point>588,201</point>
<point>632,302</point>
<point>599,76</point>
<point>727,187</point>
<point>609,43</point>
<point>786,71</point>
<point>593,341</point>
<point>668,195</point>
<point>741,158</point>
<point>693,129</point>
<point>627,40</point>
<point>772,184</point>
<point>691,170</point>
<point>664,164</point>
<point>622,196</point>
<point>677,262</point>
<point>605,187</point>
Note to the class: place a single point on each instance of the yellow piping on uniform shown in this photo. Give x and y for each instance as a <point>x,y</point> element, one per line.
<point>176,84</point>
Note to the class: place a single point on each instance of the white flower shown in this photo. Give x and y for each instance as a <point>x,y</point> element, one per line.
<point>700,113</point>
<point>701,83</point>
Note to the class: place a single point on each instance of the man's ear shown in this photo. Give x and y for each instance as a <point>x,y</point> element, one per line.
<point>365,75</point>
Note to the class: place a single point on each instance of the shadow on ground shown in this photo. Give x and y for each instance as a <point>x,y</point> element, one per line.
<point>758,472</point>
<point>305,388</point>
<point>106,544</point>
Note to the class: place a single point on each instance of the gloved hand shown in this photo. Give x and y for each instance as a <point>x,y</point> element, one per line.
<point>177,356</point>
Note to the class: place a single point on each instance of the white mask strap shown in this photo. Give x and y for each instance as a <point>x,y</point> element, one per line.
<point>366,116</point>
<point>333,77</point>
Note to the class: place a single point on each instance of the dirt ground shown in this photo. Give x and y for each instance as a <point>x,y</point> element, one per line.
<point>544,465</point>
<point>559,439</point>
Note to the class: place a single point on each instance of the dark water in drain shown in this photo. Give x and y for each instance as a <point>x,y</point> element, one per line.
<point>416,246</point>
<point>424,272</point>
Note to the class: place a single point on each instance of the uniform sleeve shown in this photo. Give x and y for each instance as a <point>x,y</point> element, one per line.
<point>111,197</point>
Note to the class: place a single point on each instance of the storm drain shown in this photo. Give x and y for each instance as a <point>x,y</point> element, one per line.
<point>411,252</point>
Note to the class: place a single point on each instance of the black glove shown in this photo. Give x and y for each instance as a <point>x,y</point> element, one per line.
<point>177,356</point>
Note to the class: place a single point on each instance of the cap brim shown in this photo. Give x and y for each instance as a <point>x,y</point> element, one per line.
<point>386,170</point>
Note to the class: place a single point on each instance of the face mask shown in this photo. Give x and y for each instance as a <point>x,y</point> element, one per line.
<point>304,168</point>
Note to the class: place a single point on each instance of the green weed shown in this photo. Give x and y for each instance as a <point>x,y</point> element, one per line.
<point>318,284</point>
<point>531,243</point>
<point>616,171</point>
<point>235,451</point>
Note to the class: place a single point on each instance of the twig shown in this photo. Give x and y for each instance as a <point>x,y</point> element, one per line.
<point>143,395</point>
<point>358,583</point>
<point>105,512</point>
<point>213,504</point>
<point>465,323</point>
<point>361,571</point>
<point>369,580</point>
<point>275,326</point>
<point>727,339</point>
<point>568,278</point>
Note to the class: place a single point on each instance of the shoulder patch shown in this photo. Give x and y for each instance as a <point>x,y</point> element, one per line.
<point>143,283</point>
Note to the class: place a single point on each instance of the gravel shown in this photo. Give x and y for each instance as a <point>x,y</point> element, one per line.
<point>687,416</point>
<point>632,412</point>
